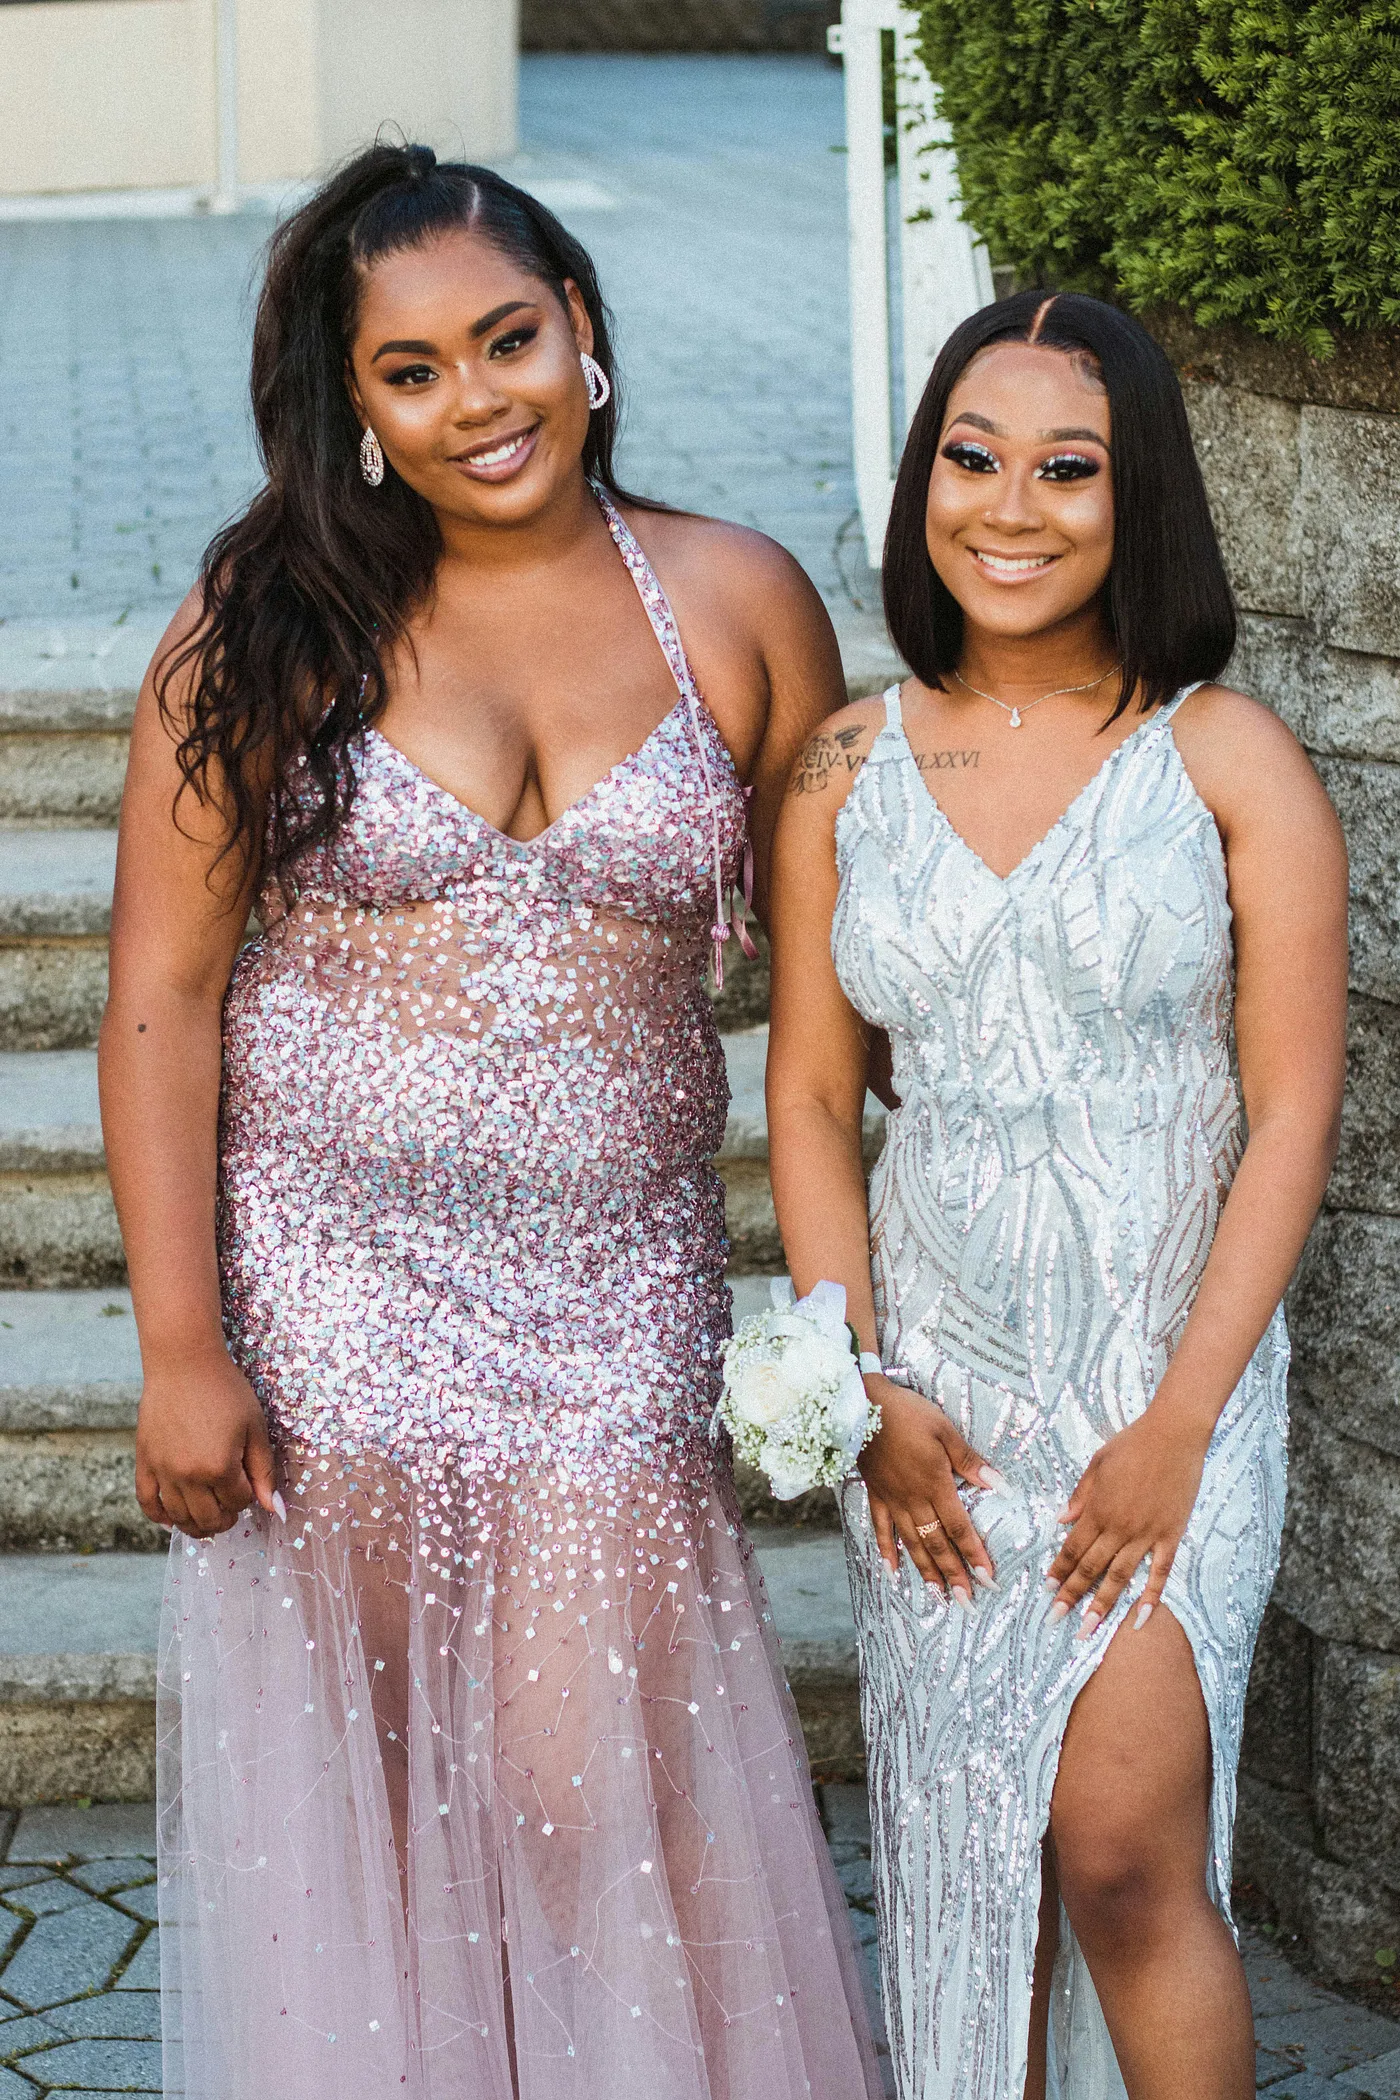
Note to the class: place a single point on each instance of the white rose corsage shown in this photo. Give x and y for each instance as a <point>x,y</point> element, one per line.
<point>793,1398</point>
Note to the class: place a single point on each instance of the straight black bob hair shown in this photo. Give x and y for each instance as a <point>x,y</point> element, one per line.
<point>1168,600</point>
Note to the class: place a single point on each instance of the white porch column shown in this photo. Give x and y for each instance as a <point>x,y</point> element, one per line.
<point>945,273</point>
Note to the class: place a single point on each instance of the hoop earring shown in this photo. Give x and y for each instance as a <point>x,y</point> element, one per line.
<point>371,459</point>
<point>598,383</point>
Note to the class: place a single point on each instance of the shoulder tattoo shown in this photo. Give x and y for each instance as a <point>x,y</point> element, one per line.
<point>830,751</point>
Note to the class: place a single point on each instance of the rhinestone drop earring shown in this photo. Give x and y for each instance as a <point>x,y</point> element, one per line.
<point>599,385</point>
<point>371,459</point>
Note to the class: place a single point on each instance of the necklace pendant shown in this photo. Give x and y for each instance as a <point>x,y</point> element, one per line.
<point>1015,718</point>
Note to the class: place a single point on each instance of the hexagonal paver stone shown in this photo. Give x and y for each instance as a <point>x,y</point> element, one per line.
<point>67,1953</point>
<point>100,2067</point>
<point>1303,2086</point>
<point>1327,2038</point>
<point>42,1897</point>
<point>104,1875</point>
<point>143,1902</point>
<point>1379,2080</point>
<point>113,2016</point>
<point>114,1829</point>
<point>143,1971</point>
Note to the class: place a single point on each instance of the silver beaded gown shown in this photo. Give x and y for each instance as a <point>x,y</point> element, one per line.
<point>477,1777</point>
<point>1069,1124</point>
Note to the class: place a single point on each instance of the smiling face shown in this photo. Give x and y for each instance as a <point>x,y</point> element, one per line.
<point>467,369</point>
<point>1020,501</point>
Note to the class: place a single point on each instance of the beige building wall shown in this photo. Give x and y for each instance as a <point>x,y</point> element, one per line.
<point>446,73</point>
<point>123,94</point>
<point>106,94</point>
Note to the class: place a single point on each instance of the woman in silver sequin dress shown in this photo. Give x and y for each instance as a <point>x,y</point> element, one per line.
<point>477,1780</point>
<point>1097,903</point>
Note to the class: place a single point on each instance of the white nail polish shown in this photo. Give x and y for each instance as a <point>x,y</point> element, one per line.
<point>279,1506</point>
<point>1144,1613</point>
<point>963,1599</point>
<point>980,1575</point>
<point>994,1482</point>
<point>1052,1582</point>
<point>1092,1623</point>
<point>1059,1609</point>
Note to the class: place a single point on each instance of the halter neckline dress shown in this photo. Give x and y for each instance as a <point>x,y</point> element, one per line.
<point>478,1780</point>
<point>1068,1129</point>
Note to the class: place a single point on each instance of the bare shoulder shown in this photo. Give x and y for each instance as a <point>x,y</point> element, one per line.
<point>1247,765</point>
<point>834,754</point>
<point>753,577</point>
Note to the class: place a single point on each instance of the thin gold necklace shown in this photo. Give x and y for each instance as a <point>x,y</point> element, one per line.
<point>1015,712</point>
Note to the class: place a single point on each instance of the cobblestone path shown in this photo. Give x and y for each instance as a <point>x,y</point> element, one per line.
<point>79,1966</point>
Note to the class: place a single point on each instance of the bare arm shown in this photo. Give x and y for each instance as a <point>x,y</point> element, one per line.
<point>178,916</point>
<point>817,1058</point>
<point>1288,893</point>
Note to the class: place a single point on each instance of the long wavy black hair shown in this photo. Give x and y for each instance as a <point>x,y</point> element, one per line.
<point>1168,599</point>
<point>308,590</point>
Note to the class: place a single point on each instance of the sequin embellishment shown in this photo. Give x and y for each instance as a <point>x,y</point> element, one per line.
<point>1041,1213</point>
<point>476,1776</point>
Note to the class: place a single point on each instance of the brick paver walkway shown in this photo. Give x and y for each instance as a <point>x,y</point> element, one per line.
<point>79,1966</point>
<point>124,437</point>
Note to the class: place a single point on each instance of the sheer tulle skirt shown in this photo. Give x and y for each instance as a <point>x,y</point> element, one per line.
<point>486,1789</point>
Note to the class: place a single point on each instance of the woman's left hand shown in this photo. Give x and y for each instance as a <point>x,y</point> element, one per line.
<point>1134,1499</point>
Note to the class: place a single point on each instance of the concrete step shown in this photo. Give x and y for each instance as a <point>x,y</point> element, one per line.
<point>58,1230</point>
<point>66,700</point>
<point>70,1379</point>
<point>77,1666</point>
<point>55,910</point>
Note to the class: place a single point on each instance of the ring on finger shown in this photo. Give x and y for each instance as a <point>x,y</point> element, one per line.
<point>929,1530</point>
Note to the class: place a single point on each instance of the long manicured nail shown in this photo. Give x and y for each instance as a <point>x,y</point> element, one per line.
<point>980,1576</point>
<point>279,1506</point>
<point>1052,1582</point>
<point>1063,1517</point>
<point>1059,1609</point>
<point>962,1598</point>
<point>993,1481</point>
<point>1092,1622</point>
<point>1144,1613</point>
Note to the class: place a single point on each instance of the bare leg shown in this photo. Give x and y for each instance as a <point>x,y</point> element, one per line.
<point>1130,1822</point>
<point>1047,1946</point>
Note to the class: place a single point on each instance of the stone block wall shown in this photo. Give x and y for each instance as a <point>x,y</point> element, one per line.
<point>1302,464</point>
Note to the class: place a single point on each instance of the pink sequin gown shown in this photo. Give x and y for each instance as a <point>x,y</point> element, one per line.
<point>477,1781</point>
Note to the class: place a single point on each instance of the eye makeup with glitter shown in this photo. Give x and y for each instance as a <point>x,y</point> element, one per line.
<point>963,452</point>
<point>1067,466</point>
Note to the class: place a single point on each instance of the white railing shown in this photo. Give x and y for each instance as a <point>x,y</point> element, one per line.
<point>943,272</point>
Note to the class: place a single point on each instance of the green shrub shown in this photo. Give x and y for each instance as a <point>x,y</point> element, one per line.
<point>1240,160</point>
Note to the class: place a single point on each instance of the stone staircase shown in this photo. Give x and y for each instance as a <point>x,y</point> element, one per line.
<point>80,1568</point>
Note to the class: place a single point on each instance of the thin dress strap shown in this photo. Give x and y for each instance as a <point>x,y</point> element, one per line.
<point>1169,707</point>
<point>894,707</point>
<point>663,625</point>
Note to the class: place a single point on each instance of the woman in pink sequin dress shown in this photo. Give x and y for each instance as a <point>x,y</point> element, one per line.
<point>477,1778</point>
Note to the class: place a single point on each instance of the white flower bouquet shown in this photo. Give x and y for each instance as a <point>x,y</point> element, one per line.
<point>793,1398</point>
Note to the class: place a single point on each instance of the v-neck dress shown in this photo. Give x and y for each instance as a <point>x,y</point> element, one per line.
<point>1068,1128</point>
<point>478,1780</point>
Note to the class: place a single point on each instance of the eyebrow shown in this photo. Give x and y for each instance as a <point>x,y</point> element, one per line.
<point>417,348</point>
<point>1053,437</point>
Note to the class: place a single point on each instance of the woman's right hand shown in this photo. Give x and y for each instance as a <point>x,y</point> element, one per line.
<point>911,1470</point>
<point>202,1448</point>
